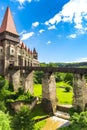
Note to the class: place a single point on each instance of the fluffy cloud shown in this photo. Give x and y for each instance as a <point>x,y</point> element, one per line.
<point>23,1</point>
<point>51,27</point>
<point>24,31</point>
<point>49,42</point>
<point>40,31</point>
<point>26,36</point>
<point>75,11</point>
<point>35,24</point>
<point>72,36</point>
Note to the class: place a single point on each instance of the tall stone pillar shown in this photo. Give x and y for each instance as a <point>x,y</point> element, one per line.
<point>28,83</point>
<point>80,92</point>
<point>49,99</point>
<point>14,78</point>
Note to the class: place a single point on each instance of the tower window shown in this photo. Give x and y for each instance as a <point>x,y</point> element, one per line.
<point>1,50</point>
<point>12,51</point>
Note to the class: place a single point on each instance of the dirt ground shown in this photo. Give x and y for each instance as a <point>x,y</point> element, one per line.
<point>53,123</point>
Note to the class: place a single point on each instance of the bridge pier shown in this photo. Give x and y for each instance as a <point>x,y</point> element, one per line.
<point>29,84</point>
<point>14,78</point>
<point>80,92</point>
<point>49,99</point>
<point>27,81</point>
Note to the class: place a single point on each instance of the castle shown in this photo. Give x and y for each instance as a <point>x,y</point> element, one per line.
<point>12,50</point>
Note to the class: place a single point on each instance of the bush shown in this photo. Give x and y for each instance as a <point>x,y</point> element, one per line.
<point>22,120</point>
<point>79,119</point>
<point>68,88</point>
<point>4,121</point>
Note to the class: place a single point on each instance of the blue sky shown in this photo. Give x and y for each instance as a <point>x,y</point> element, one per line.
<point>56,28</point>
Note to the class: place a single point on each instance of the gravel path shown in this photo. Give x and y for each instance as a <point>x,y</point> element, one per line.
<point>53,123</point>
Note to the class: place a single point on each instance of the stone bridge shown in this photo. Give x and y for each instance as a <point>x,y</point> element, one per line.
<point>23,76</point>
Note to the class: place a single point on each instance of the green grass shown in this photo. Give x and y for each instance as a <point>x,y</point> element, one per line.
<point>76,127</point>
<point>39,125</point>
<point>37,113</point>
<point>63,97</point>
<point>38,90</point>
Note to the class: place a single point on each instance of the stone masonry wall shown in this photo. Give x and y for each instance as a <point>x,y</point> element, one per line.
<point>80,92</point>
<point>49,99</point>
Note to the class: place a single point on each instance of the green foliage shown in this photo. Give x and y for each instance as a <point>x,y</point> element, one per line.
<point>4,121</point>
<point>68,88</point>
<point>79,119</point>
<point>36,113</point>
<point>4,85</point>
<point>20,91</point>
<point>26,97</point>
<point>68,78</point>
<point>2,106</point>
<point>38,77</point>
<point>22,120</point>
<point>39,125</point>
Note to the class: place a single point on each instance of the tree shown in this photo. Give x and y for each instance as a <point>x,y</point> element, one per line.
<point>22,120</point>
<point>69,78</point>
<point>4,121</point>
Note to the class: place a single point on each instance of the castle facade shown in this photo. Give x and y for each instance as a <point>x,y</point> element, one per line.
<point>12,50</point>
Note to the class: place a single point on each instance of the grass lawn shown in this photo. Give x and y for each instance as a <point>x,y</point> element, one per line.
<point>37,113</point>
<point>63,97</point>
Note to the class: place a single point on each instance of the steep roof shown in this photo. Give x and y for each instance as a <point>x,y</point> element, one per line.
<point>34,51</point>
<point>8,23</point>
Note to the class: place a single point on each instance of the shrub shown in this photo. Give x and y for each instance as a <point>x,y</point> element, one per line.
<point>79,119</point>
<point>22,120</point>
<point>68,88</point>
<point>3,106</point>
<point>4,121</point>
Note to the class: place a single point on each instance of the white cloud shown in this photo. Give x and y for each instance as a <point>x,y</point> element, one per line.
<point>35,24</point>
<point>72,36</point>
<point>40,31</point>
<point>20,7</point>
<point>23,1</point>
<point>51,27</point>
<point>55,19</point>
<point>26,36</point>
<point>24,31</point>
<point>49,42</point>
<point>73,12</point>
<point>84,59</point>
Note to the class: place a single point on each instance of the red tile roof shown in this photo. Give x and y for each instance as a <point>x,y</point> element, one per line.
<point>8,23</point>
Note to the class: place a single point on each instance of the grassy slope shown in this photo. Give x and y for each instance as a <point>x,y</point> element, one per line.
<point>63,97</point>
<point>36,113</point>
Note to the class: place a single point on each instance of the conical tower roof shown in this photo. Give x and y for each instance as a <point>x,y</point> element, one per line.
<point>8,23</point>
<point>34,51</point>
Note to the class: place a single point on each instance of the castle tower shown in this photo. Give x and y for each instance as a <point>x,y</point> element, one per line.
<point>9,40</point>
